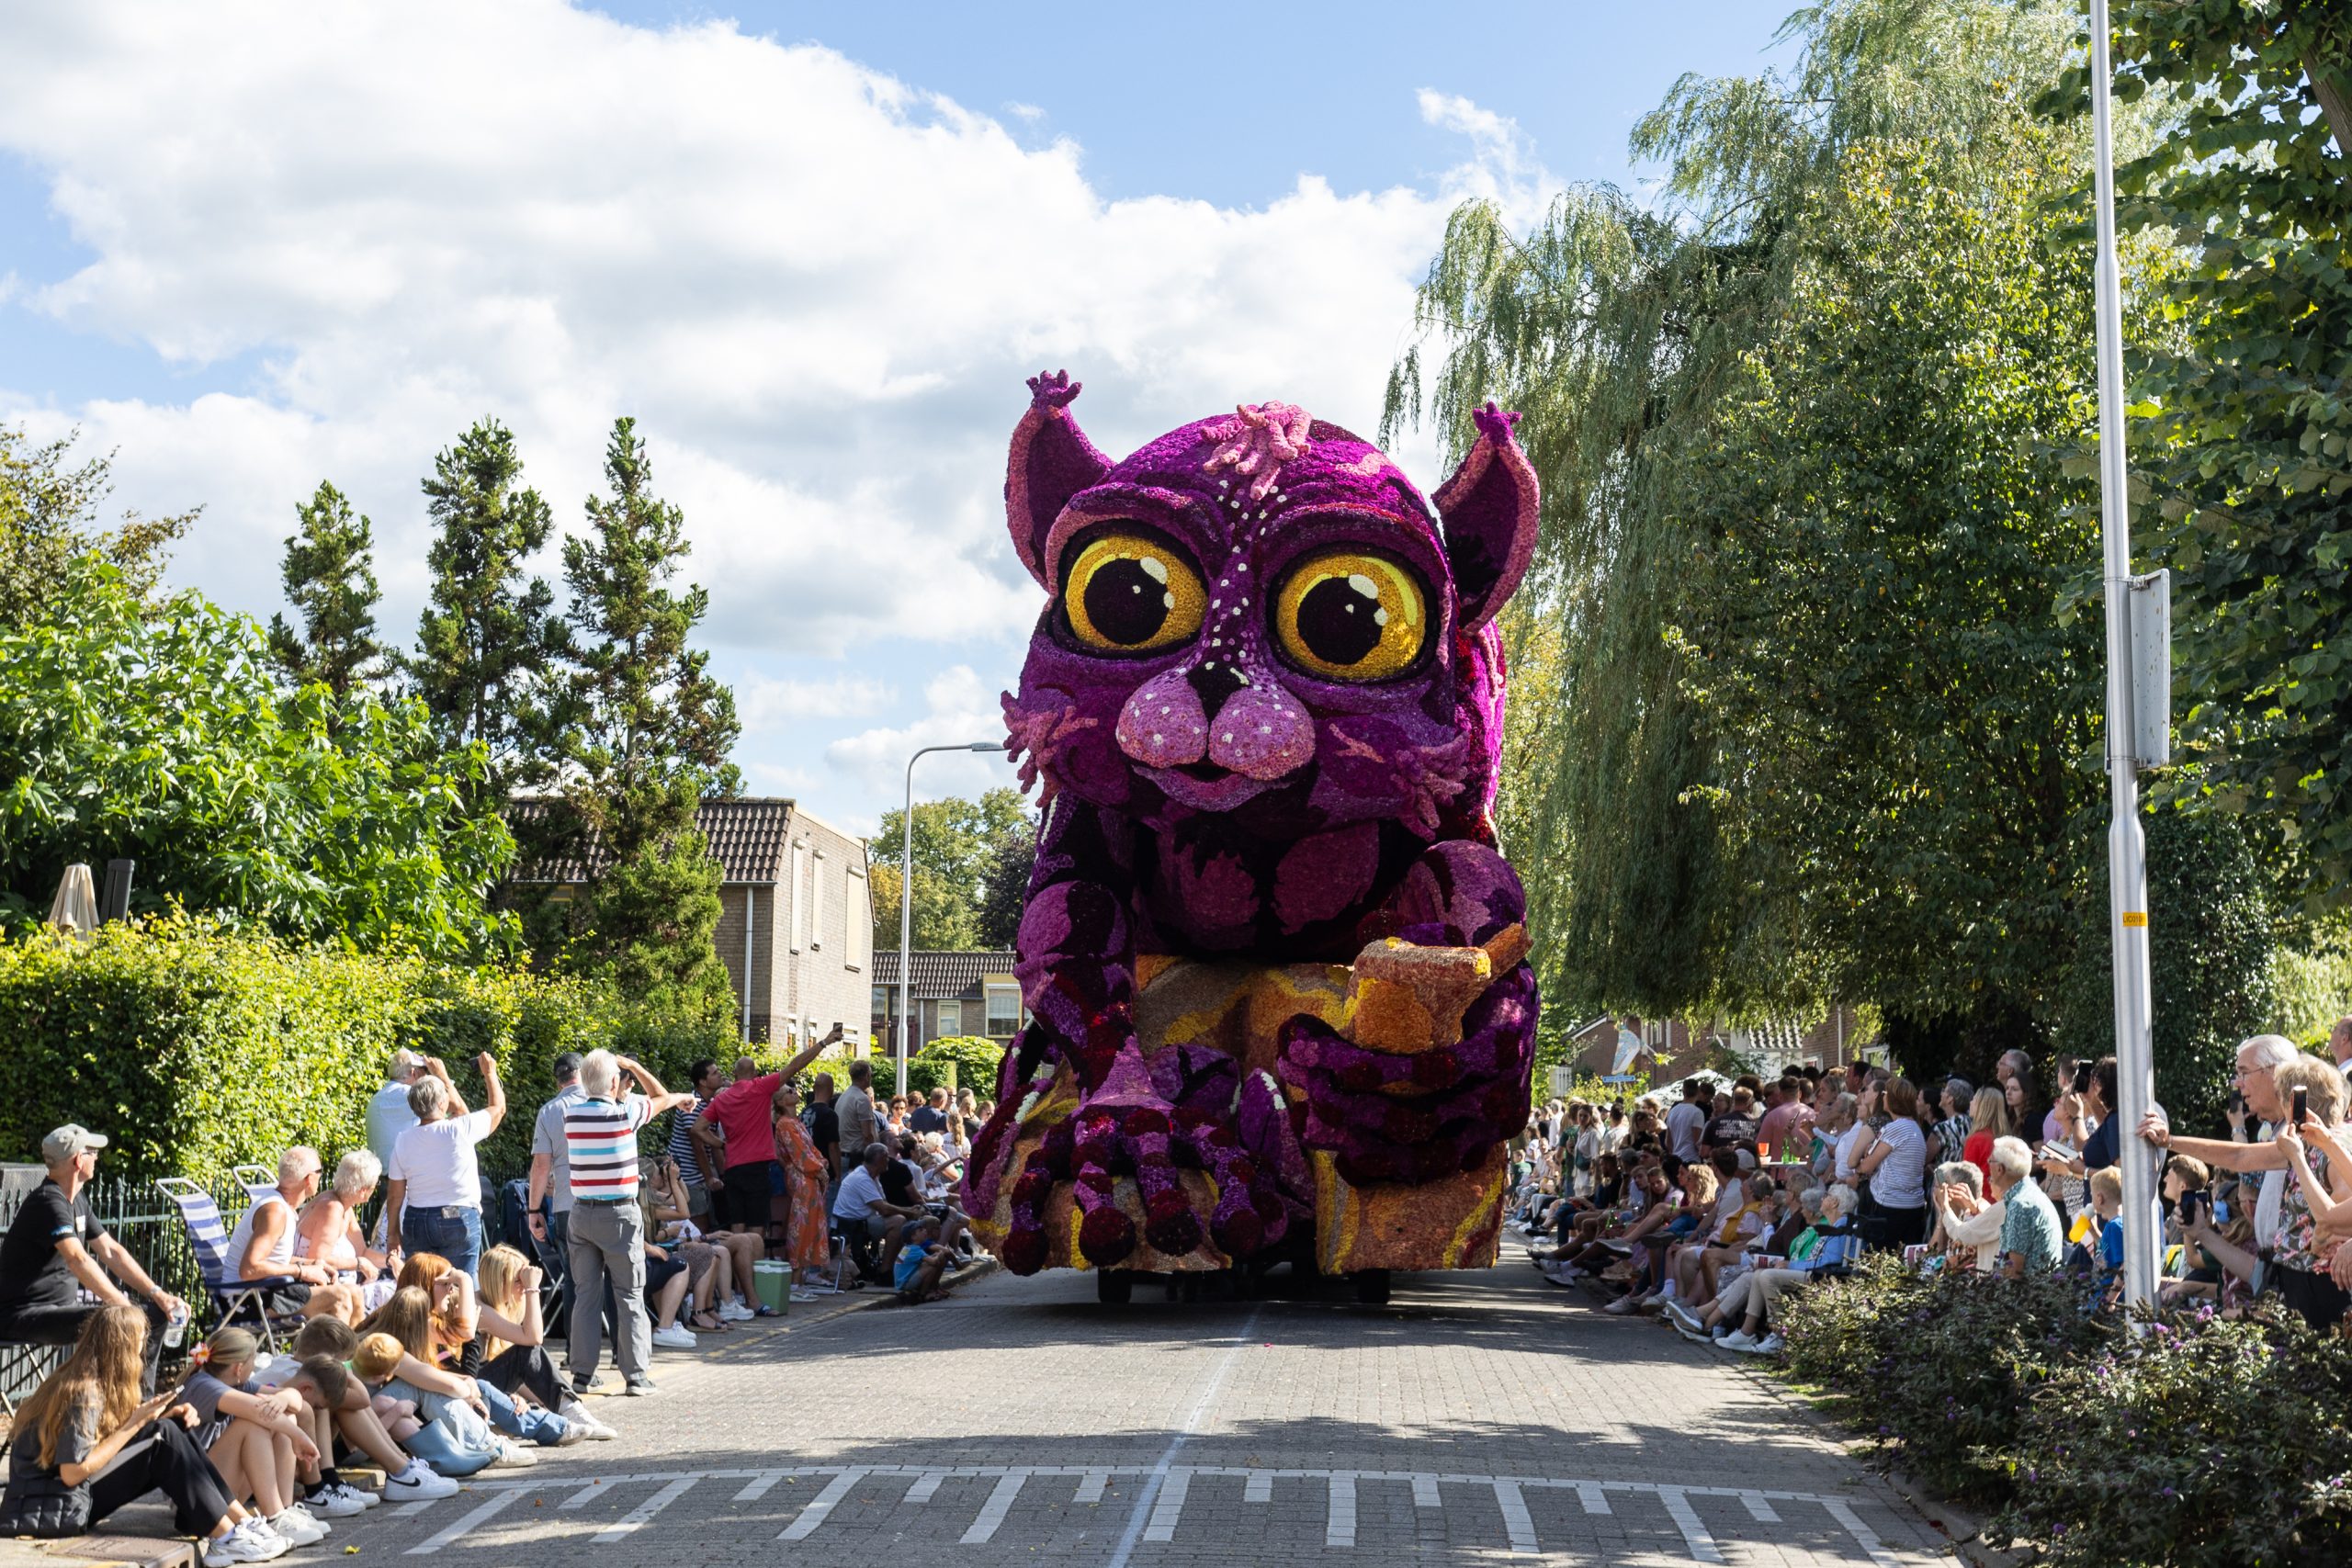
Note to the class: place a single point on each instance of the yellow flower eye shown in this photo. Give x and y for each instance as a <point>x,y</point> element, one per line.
<point>1351,615</point>
<point>1132,593</point>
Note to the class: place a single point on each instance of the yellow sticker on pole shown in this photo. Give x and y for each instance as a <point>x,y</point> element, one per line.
<point>2136,916</point>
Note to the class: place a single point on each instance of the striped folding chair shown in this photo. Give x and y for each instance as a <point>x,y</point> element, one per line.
<point>258,1180</point>
<point>233,1298</point>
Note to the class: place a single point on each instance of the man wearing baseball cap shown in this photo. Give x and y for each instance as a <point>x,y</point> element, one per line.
<point>56,1248</point>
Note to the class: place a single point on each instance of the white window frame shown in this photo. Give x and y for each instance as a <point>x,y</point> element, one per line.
<point>857,936</point>
<point>816,901</point>
<point>799,902</point>
<point>988,995</point>
<point>939,1018</point>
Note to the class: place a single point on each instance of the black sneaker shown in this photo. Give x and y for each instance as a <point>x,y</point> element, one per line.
<point>643,1388</point>
<point>592,1384</point>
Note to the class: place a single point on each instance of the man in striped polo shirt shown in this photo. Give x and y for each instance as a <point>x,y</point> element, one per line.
<point>607,1240</point>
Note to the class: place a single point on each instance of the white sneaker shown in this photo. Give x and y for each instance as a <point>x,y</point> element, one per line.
<point>1768,1346</point>
<point>1737,1339</point>
<point>250,1541</point>
<point>420,1482</point>
<point>511,1455</point>
<point>335,1501</point>
<point>298,1527</point>
<point>674,1337</point>
<point>735,1311</point>
<point>589,1426</point>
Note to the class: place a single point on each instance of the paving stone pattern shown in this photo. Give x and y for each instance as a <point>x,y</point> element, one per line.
<point>1479,1418</point>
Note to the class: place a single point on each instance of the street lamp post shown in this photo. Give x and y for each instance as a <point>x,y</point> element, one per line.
<point>907,893</point>
<point>2129,745</point>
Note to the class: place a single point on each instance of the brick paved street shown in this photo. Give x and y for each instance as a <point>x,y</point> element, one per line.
<point>1479,1418</point>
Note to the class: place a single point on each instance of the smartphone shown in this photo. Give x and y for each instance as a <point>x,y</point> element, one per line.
<point>2237,1101</point>
<point>2190,1205</point>
<point>2082,1077</point>
<point>2302,1106</point>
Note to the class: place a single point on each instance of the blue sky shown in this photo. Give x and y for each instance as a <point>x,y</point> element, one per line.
<point>812,248</point>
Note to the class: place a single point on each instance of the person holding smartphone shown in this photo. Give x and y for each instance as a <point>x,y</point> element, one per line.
<point>2293,1251</point>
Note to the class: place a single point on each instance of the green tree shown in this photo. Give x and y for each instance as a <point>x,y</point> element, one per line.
<point>330,576</point>
<point>156,730</point>
<point>1620,330</point>
<point>1005,886</point>
<point>956,844</point>
<point>48,515</point>
<point>646,733</point>
<point>487,636</point>
<point>2248,440</point>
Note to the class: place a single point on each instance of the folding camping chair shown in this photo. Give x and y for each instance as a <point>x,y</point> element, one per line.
<point>231,1296</point>
<point>258,1180</point>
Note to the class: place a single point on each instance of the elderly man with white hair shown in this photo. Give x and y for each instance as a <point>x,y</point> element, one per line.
<point>433,1196</point>
<point>607,1240</point>
<point>263,1247</point>
<point>2032,1241</point>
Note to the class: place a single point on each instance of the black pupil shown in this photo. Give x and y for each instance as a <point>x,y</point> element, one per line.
<point>1126,603</point>
<point>1334,622</point>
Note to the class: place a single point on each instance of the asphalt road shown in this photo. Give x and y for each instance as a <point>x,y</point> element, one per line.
<point>1477,1418</point>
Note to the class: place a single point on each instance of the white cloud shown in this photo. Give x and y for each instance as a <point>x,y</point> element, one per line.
<point>817,287</point>
<point>958,708</point>
<point>764,704</point>
<point>1019,110</point>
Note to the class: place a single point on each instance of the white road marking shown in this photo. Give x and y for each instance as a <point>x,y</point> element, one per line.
<point>1169,1507</point>
<point>1158,1519</point>
<point>1339,1529</point>
<point>480,1514</point>
<point>1840,1509</point>
<point>992,1512</point>
<point>1686,1519</point>
<point>1516,1522</point>
<point>629,1523</point>
<point>822,1504</point>
<point>1149,1493</point>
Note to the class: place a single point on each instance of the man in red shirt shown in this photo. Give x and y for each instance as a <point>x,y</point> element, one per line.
<point>739,1119</point>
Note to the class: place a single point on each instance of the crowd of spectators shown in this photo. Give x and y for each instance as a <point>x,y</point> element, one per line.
<point>1708,1212</point>
<point>415,1349</point>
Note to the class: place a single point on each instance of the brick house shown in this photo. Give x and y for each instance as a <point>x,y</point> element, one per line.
<point>796,915</point>
<point>948,994</point>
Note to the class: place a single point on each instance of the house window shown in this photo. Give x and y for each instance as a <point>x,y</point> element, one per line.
<point>816,903</point>
<point>1004,1011</point>
<point>857,923</point>
<point>950,1020</point>
<point>799,896</point>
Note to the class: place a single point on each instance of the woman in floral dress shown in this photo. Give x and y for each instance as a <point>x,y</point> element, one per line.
<point>807,1246</point>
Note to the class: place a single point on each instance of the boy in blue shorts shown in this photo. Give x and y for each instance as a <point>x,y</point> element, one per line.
<point>921,1262</point>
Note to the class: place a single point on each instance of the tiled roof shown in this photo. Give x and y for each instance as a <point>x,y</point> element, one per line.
<point>749,837</point>
<point>936,976</point>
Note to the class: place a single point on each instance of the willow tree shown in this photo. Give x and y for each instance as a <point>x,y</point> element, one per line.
<point>1620,330</point>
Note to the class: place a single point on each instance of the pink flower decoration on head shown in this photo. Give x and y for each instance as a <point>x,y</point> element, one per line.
<point>1257,442</point>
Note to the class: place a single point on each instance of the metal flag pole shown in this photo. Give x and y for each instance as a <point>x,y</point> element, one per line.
<point>2126,846</point>
<point>907,893</point>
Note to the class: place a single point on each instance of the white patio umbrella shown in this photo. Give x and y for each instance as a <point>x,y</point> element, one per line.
<point>75,907</point>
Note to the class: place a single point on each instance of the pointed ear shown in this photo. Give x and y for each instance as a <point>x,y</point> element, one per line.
<point>1052,460</point>
<point>1489,508</point>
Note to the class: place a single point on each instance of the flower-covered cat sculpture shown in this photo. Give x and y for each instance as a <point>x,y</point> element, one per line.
<point>1273,961</point>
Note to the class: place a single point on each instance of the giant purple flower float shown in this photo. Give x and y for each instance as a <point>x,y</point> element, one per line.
<point>1274,962</point>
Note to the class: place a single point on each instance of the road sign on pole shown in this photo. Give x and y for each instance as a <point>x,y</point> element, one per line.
<point>2126,847</point>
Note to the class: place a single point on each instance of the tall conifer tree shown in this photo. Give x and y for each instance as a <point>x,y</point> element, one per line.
<point>647,733</point>
<point>330,577</point>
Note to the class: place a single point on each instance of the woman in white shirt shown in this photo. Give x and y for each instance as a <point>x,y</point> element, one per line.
<point>433,1195</point>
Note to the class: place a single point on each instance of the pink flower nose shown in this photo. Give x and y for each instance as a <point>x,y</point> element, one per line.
<point>1261,733</point>
<point>1162,725</point>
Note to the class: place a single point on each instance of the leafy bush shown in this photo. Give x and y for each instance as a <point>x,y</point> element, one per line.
<point>976,1062</point>
<point>1941,1367</point>
<point>194,1047</point>
<point>2206,1444</point>
<point>158,733</point>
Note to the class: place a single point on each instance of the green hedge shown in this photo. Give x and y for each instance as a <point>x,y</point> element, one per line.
<point>194,1047</point>
<point>2207,1441</point>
